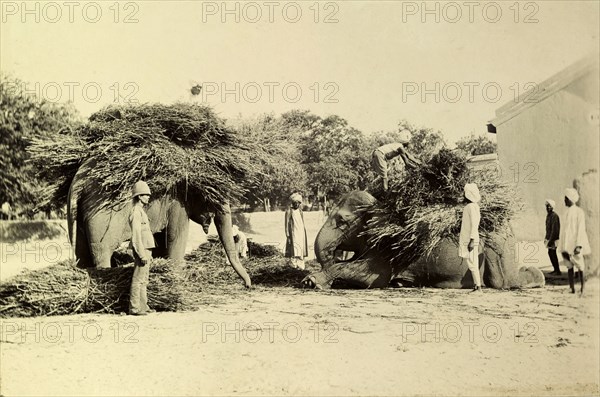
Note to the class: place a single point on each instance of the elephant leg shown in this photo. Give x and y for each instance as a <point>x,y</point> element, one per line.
<point>106,230</point>
<point>101,252</point>
<point>83,255</point>
<point>363,273</point>
<point>319,280</point>
<point>500,269</point>
<point>160,251</point>
<point>177,232</point>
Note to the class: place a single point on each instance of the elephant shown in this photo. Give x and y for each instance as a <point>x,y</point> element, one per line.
<point>443,268</point>
<point>96,231</point>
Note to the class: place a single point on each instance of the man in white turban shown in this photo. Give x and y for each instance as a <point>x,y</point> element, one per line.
<point>468,241</point>
<point>552,235</point>
<point>296,245</point>
<point>574,239</point>
<point>381,156</point>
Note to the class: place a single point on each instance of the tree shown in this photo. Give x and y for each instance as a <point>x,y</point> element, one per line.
<point>333,154</point>
<point>476,145</point>
<point>278,153</point>
<point>301,121</point>
<point>22,118</point>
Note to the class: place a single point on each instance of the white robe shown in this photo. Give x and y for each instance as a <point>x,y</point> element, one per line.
<point>469,229</point>
<point>573,232</point>
<point>298,239</point>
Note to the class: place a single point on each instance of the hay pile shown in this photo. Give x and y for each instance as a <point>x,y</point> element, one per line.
<point>176,148</point>
<point>205,277</point>
<point>265,265</point>
<point>64,289</point>
<point>256,250</point>
<point>425,206</point>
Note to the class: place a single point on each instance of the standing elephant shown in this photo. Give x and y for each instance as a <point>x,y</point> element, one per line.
<point>367,268</point>
<point>96,231</point>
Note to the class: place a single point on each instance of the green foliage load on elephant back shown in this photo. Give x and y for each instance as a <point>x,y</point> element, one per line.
<point>425,206</point>
<point>182,147</point>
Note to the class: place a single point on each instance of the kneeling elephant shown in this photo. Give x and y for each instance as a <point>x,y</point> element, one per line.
<point>366,268</point>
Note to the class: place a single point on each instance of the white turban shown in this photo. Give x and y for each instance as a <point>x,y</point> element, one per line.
<point>296,197</point>
<point>235,230</point>
<point>472,192</point>
<point>572,195</point>
<point>404,136</point>
<point>551,202</point>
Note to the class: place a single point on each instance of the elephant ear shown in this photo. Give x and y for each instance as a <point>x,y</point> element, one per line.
<point>197,202</point>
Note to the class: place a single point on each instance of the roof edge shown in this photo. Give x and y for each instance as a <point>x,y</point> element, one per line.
<point>544,90</point>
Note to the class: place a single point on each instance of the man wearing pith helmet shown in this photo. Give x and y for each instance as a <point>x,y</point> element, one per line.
<point>142,241</point>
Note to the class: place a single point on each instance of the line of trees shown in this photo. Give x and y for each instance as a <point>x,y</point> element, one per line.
<point>23,117</point>
<point>326,157</point>
<point>320,157</point>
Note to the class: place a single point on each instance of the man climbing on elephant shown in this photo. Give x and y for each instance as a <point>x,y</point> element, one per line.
<point>383,154</point>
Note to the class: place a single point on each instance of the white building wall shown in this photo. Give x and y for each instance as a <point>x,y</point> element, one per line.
<point>545,147</point>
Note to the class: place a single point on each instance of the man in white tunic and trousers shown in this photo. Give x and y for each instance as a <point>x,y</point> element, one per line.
<point>574,240</point>
<point>296,246</point>
<point>468,241</point>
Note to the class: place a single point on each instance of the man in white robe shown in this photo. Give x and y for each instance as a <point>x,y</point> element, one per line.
<point>296,246</point>
<point>574,240</point>
<point>468,241</point>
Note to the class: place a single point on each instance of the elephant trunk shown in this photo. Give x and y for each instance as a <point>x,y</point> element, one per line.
<point>72,215</point>
<point>326,244</point>
<point>223,224</point>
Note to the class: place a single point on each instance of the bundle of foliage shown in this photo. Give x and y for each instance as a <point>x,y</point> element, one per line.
<point>207,266</point>
<point>425,206</point>
<point>256,250</point>
<point>65,289</point>
<point>182,147</point>
<point>424,142</point>
<point>24,117</point>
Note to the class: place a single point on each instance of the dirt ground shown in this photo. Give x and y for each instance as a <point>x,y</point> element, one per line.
<point>289,341</point>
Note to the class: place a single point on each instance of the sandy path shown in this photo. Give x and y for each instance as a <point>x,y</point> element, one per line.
<point>286,341</point>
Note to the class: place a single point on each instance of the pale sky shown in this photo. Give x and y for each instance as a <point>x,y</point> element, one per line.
<point>369,64</point>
